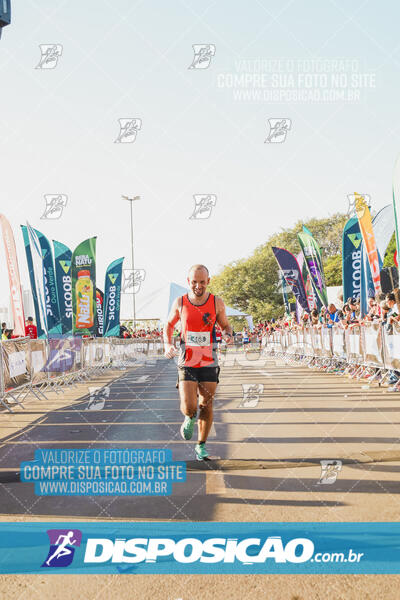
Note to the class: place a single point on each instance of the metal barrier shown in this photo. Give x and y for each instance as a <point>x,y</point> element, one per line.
<point>369,350</point>
<point>35,366</point>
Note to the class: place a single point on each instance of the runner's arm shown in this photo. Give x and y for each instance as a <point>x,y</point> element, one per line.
<point>222,319</point>
<point>173,318</point>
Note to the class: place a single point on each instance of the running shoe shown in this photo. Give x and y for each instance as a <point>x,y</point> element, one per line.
<point>201,452</point>
<point>187,427</point>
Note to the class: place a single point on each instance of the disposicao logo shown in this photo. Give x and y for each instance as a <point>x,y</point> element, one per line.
<point>191,550</point>
<point>62,550</point>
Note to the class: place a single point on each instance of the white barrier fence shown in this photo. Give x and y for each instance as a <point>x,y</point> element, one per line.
<point>33,366</point>
<point>370,345</point>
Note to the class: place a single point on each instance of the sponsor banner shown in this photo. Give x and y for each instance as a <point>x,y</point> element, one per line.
<point>313,261</point>
<point>351,259</point>
<point>396,201</point>
<point>367,232</point>
<point>50,288</point>
<point>37,266</point>
<point>383,224</point>
<point>112,298</point>
<point>83,269</point>
<point>284,294</point>
<point>99,313</point>
<point>291,272</point>
<point>383,232</point>
<point>16,363</point>
<point>17,305</point>
<point>313,298</point>
<point>199,548</point>
<point>62,260</point>
<point>28,252</point>
<point>61,355</point>
<point>38,360</point>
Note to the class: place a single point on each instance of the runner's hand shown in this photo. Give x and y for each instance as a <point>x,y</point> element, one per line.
<point>170,351</point>
<point>228,338</point>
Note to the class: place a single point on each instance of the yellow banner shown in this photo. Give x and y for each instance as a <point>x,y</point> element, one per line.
<point>367,232</point>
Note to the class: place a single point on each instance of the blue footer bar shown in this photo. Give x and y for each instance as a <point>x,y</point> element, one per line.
<point>207,547</point>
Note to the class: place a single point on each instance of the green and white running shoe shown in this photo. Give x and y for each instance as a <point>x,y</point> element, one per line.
<point>201,452</point>
<point>187,427</point>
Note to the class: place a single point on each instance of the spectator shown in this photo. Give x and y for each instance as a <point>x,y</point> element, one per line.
<point>30,329</point>
<point>332,315</point>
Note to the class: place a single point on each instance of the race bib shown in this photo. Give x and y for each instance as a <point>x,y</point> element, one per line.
<point>194,338</point>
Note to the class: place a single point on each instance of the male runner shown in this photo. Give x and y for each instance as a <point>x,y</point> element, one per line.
<point>198,369</point>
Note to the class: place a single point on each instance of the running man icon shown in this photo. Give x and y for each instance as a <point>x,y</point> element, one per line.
<point>61,551</point>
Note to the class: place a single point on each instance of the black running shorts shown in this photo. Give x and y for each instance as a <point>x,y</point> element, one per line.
<point>198,374</point>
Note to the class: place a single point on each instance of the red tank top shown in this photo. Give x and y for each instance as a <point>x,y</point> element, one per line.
<point>198,341</point>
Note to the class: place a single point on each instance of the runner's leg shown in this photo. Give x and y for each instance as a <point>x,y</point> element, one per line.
<point>188,396</point>
<point>206,392</point>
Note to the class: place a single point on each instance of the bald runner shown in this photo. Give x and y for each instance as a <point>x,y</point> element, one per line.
<point>198,311</point>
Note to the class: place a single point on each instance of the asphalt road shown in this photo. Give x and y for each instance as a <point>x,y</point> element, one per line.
<point>267,444</point>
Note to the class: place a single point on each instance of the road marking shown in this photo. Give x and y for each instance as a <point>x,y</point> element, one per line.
<point>140,379</point>
<point>213,433</point>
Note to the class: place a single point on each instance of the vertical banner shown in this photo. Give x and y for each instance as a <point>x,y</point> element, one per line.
<point>37,265</point>
<point>50,288</point>
<point>351,259</point>
<point>83,272</point>
<point>313,261</point>
<point>292,274</point>
<point>62,261</point>
<point>284,293</point>
<point>384,227</point>
<point>40,324</point>
<point>13,277</point>
<point>99,313</point>
<point>367,232</point>
<point>112,298</point>
<point>312,296</point>
<point>396,201</point>
<point>367,284</point>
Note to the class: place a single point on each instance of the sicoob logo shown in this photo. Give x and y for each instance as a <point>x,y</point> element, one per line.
<point>62,542</point>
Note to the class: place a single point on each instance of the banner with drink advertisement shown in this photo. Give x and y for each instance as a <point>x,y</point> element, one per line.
<point>83,272</point>
<point>17,305</point>
<point>313,261</point>
<point>99,312</point>
<point>62,261</point>
<point>112,298</point>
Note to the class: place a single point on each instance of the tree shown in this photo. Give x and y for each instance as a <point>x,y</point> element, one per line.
<point>252,284</point>
<point>389,254</point>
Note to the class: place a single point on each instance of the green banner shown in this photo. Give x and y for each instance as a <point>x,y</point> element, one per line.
<point>313,261</point>
<point>83,272</point>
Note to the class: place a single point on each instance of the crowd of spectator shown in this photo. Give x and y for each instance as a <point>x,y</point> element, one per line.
<point>146,334</point>
<point>383,309</point>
